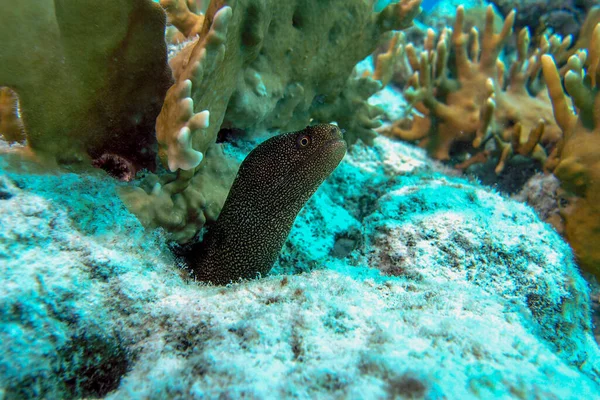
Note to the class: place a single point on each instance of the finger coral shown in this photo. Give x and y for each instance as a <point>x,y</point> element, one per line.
<point>465,100</point>
<point>89,83</point>
<point>576,160</point>
<point>182,15</point>
<point>459,106</point>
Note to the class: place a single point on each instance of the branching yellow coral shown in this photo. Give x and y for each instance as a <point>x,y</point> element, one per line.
<point>470,102</point>
<point>182,15</point>
<point>576,160</point>
<point>459,106</point>
<point>524,123</point>
<point>177,151</point>
<point>178,126</point>
<point>384,65</point>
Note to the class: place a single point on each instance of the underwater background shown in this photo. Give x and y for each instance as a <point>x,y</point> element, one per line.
<point>309,199</point>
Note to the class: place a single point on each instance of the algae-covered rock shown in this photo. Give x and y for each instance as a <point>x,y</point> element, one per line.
<point>396,281</point>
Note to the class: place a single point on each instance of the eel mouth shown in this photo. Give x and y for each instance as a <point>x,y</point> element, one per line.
<point>334,144</point>
<point>329,148</point>
<point>334,141</point>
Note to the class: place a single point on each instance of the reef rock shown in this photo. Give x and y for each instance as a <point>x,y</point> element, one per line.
<point>396,281</point>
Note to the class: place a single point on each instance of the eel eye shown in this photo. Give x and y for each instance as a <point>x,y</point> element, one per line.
<point>562,202</point>
<point>303,141</point>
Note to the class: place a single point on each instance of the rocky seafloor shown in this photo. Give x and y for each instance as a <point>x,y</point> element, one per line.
<point>398,280</point>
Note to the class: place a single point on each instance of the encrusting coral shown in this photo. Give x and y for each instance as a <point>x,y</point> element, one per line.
<point>89,83</point>
<point>467,102</point>
<point>576,160</point>
<point>263,65</point>
<point>272,64</point>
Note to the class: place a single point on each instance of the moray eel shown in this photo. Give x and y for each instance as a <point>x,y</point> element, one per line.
<point>273,183</point>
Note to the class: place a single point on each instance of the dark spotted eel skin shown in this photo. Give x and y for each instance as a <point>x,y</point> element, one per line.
<point>272,185</point>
